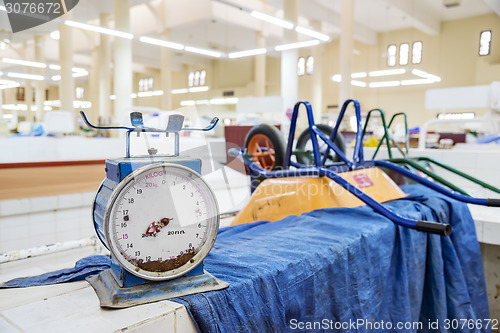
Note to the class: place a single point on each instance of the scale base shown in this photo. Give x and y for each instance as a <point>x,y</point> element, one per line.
<point>111,295</point>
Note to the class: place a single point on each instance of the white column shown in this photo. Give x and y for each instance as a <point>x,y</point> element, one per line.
<point>289,79</point>
<point>346,46</point>
<point>260,67</point>
<point>94,81</point>
<point>104,67</point>
<point>39,85</point>
<point>1,102</point>
<point>123,61</point>
<point>28,98</point>
<point>166,74</point>
<point>67,82</point>
<point>317,76</point>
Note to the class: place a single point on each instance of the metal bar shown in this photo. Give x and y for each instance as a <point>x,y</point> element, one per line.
<point>407,135</point>
<point>428,173</point>
<point>358,157</point>
<point>291,135</point>
<point>386,132</point>
<point>434,186</point>
<point>46,249</point>
<point>210,126</point>
<point>460,173</point>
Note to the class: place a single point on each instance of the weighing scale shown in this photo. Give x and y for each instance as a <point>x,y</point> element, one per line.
<point>158,218</point>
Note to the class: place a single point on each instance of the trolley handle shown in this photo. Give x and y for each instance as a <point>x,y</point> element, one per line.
<point>493,202</point>
<point>433,228</point>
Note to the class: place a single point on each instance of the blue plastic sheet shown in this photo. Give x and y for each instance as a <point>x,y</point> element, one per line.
<point>83,268</point>
<point>326,269</point>
<point>332,269</point>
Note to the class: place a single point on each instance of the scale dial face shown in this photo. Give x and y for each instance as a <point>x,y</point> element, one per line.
<point>161,221</point>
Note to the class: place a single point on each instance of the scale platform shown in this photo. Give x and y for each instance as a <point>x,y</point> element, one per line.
<point>111,295</point>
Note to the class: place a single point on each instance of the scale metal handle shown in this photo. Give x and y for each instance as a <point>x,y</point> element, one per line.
<point>175,122</point>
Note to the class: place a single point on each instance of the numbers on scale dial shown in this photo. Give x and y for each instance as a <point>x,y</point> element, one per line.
<point>166,219</point>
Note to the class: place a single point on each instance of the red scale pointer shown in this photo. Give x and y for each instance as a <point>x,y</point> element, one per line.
<point>155,227</point>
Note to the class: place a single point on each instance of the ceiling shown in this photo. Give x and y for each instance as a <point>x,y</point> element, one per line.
<point>214,24</point>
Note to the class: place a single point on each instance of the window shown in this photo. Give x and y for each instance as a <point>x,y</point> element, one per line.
<point>416,55</point>
<point>310,65</point>
<point>301,65</point>
<point>404,51</point>
<point>391,55</point>
<point>146,84</point>
<point>203,77</point>
<point>484,43</point>
<point>198,78</point>
<point>79,91</point>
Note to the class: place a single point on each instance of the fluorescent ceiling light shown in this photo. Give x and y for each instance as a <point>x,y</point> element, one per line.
<point>358,83</point>
<point>55,67</point>
<point>272,19</point>
<point>307,43</point>
<point>387,72</point>
<point>179,91</point>
<point>198,89</point>
<point>26,76</point>
<point>8,116</point>
<point>247,53</point>
<point>202,102</point>
<point>337,78</point>
<point>80,74</point>
<point>56,77</point>
<point>112,97</point>
<point>425,75</point>
<point>311,33</point>
<point>47,108</point>
<point>132,95</point>
<point>209,53</point>
<point>55,35</point>
<point>145,94</point>
<point>384,84</point>
<point>157,92</point>
<point>159,42</point>
<point>99,29</point>
<point>416,81</point>
<point>187,103</point>
<point>24,62</point>
<point>358,75</point>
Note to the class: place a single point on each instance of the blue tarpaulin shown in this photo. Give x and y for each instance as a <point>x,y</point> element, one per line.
<point>344,270</point>
<point>325,270</point>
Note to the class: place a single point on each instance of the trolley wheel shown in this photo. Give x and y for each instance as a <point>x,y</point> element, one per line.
<point>304,144</point>
<point>267,146</point>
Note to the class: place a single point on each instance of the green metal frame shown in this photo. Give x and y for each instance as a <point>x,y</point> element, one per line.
<point>413,162</point>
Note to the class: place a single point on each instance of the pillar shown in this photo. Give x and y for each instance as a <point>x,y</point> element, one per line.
<point>346,47</point>
<point>317,76</point>
<point>166,74</point>
<point>104,70</point>
<point>1,102</point>
<point>122,62</point>
<point>260,67</point>
<point>289,79</point>
<point>39,85</point>
<point>67,82</point>
<point>94,80</point>
<point>28,98</point>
